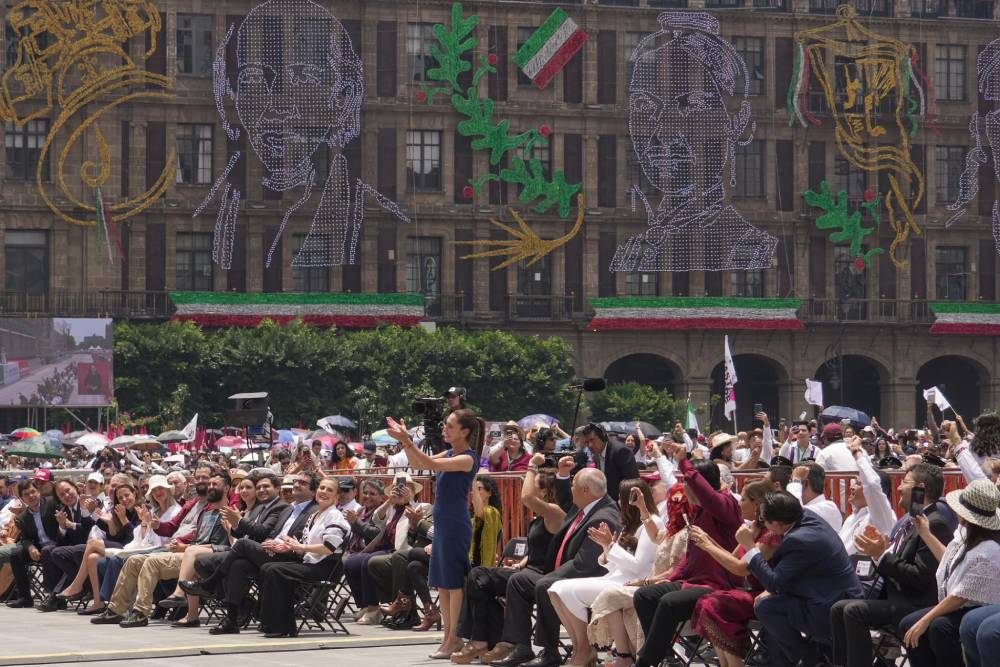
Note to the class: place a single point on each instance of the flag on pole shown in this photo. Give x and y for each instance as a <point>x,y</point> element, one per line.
<point>549,48</point>
<point>814,392</point>
<point>191,427</point>
<point>936,396</point>
<point>731,380</point>
<point>692,418</point>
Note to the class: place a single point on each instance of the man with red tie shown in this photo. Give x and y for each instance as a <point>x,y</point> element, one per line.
<point>572,555</point>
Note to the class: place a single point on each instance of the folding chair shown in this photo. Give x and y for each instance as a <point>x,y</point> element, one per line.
<point>885,652</point>
<point>35,573</point>
<point>696,649</point>
<point>318,606</point>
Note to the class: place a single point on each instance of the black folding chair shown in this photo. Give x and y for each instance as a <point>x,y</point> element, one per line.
<point>319,606</point>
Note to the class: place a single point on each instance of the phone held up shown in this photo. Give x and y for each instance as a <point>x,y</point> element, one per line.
<point>916,500</point>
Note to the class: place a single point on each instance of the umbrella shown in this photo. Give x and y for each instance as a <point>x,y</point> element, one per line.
<point>174,458</point>
<point>123,441</point>
<point>230,441</point>
<point>527,423</point>
<point>336,420</point>
<point>94,442</point>
<point>22,433</point>
<point>39,447</point>
<point>648,429</point>
<point>285,436</point>
<point>55,434</point>
<point>173,436</point>
<point>836,413</point>
<point>71,438</point>
<point>144,443</point>
<point>383,438</point>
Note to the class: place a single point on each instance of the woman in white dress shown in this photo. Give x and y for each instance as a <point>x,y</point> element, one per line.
<point>627,556</point>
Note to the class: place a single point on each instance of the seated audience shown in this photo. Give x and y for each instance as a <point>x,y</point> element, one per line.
<point>808,485</point>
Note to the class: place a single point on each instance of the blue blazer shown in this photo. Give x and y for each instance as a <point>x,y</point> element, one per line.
<point>811,563</point>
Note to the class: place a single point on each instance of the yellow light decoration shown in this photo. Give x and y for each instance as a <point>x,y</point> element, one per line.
<point>64,42</point>
<point>877,68</point>
<point>525,242</point>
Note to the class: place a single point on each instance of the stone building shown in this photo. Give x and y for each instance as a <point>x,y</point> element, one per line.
<point>866,332</point>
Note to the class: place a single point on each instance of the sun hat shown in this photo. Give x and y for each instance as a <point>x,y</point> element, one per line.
<point>408,480</point>
<point>158,482</point>
<point>95,477</point>
<point>977,504</point>
<point>719,441</point>
<point>512,426</point>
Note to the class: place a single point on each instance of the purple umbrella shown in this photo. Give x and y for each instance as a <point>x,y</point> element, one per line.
<point>527,423</point>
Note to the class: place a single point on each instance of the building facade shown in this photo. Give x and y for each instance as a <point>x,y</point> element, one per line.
<point>866,331</point>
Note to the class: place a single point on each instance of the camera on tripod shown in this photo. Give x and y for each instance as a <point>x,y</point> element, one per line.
<point>430,409</point>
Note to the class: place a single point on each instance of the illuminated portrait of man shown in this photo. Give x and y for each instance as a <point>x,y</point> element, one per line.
<point>298,86</point>
<point>688,112</point>
<point>982,126</point>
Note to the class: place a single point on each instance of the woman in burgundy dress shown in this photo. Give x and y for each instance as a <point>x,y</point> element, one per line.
<point>722,617</point>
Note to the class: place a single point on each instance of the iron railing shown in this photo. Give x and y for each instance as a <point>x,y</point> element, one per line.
<point>132,304</point>
<point>539,307</point>
<point>866,310</point>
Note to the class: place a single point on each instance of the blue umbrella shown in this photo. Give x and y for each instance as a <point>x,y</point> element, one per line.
<point>383,438</point>
<point>284,435</point>
<point>527,423</point>
<point>836,413</point>
<point>55,434</point>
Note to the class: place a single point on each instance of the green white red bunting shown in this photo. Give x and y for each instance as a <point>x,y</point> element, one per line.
<point>549,48</point>
<point>970,319</point>
<point>679,313</point>
<point>356,311</point>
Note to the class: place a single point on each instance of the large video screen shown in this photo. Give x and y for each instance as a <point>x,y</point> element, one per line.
<point>56,362</point>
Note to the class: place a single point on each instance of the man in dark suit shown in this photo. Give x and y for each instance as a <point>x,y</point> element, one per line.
<point>243,561</point>
<point>905,569</point>
<point>810,571</point>
<point>75,523</point>
<point>572,555</point>
<point>39,536</point>
<point>614,459</point>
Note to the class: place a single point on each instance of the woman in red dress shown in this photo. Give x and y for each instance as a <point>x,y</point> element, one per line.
<point>722,617</point>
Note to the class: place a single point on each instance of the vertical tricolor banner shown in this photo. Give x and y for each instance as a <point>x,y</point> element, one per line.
<point>549,48</point>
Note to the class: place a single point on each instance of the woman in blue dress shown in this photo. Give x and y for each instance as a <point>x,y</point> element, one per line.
<point>456,470</point>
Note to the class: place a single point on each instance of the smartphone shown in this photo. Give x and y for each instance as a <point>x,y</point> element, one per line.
<point>916,500</point>
<point>757,409</point>
<point>687,522</point>
<point>636,493</point>
<point>400,485</point>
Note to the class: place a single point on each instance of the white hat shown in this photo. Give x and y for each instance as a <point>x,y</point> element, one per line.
<point>407,479</point>
<point>158,482</point>
<point>977,503</point>
<point>95,477</point>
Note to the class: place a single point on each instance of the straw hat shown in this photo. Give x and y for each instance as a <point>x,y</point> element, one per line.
<point>158,482</point>
<point>720,440</point>
<point>416,487</point>
<point>512,426</point>
<point>977,503</point>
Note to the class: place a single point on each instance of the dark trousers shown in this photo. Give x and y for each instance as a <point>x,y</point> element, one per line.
<point>786,619</point>
<point>278,582</point>
<point>208,564</point>
<point>360,580</point>
<point>401,572</point>
<point>520,602</point>
<point>941,644</point>
<point>67,561</point>
<point>482,615</point>
<point>662,609</point>
<point>19,567</point>
<point>851,622</point>
<point>242,563</point>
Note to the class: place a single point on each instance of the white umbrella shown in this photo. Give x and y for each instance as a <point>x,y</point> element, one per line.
<point>123,441</point>
<point>174,458</point>
<point>94,442</point>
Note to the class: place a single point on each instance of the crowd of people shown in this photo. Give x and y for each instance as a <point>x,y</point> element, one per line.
<point>642,549</point>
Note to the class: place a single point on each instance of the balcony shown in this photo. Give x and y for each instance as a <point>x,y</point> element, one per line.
<point>529,307</point>
<point>973,9</point>
<point>100,303</point>
<point>771,5</point>
<point>879,311</point>
<point>723,4</point>
<point>445,307</point>
<point>866,8</point>
<point>926,9</point>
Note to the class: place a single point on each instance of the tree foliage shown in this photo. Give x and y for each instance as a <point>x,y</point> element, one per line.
<point>631,401</point>
<point>170,371</point>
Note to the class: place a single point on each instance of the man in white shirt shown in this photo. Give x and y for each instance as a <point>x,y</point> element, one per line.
<point>835,456</point>
<point>348,491</point>
<point>870,498</point>
<point>808,484</point>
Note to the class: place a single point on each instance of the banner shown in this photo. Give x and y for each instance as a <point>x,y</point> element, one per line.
<point>731,380</point>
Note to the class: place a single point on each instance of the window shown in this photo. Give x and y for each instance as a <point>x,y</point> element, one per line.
<point>642,284</point>
<point>23,148</point>
<point>951,273</point>
<point>746,283</point>
<point>974,9</point>
<point>668,4</point>
<point>852,285</point>
<point>949,72</point>
<point>423,267</point>
<point>631,42</point>
<point>419,39</point>
<point>523,34</point>
<point>423,160</point>
<point>750,170</point>
<point>26,262</point>
<point>535,280</point>
<point>850,178</point>
<point>11,39</point>
<point>194,44</point>
<point>194,262</point>
<point>949,161</point>
<point>310,278</point>
<point>927,9</point>
<point>751,49</point>
<point>636,175</point>
<point>321,162</point>
<point>541,153</point>
<point>194,154</point>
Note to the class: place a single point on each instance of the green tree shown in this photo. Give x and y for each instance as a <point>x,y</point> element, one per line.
<point>631,401</point>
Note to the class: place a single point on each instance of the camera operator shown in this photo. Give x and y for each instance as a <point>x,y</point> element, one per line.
<point>456,398</point>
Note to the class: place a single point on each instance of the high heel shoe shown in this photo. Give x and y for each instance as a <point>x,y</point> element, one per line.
<point>72,597</point>
<point>431,618</point>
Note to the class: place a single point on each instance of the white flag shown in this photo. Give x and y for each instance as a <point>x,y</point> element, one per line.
<point>191,427</point>
<point>936,396</point>
<point>814,392</point>
<point>731,380</point>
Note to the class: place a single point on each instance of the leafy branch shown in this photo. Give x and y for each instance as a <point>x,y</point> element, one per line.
<point>486,133</point>
<point>849,224</point>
